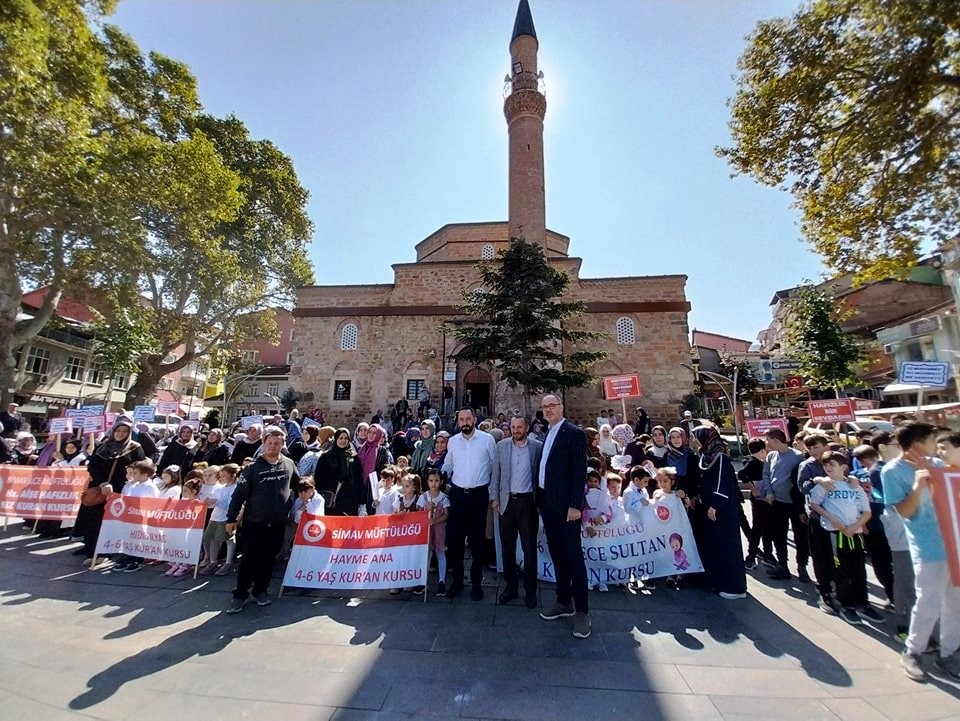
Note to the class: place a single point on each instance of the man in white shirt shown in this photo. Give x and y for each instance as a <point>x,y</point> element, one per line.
<point>469,463</point>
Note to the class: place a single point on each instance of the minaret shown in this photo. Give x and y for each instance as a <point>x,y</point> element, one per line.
<point>525,108</point>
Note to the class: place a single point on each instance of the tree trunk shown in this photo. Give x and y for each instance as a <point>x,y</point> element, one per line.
<point>144,388</point>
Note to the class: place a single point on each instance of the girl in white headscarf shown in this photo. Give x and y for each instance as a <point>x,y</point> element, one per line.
<point>608,446</point>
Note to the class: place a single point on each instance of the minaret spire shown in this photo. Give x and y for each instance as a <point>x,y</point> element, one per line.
<point>523,25</point>
<point>525,108</point>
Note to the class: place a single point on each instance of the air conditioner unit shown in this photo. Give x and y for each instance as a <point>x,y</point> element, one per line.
<point>44,378</point>
<point>890,348</point>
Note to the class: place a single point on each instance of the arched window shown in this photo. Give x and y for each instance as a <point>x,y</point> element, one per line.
<point>626,335</point>
<point>348,337</point>
<point>486,253</point>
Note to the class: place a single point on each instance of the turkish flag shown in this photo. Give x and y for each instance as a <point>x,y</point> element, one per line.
<point>945,490</point>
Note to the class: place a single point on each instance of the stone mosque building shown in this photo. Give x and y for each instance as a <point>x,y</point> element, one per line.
<point>359,348</point>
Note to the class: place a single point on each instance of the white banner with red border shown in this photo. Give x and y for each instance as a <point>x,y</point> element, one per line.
<point>359,552</point>
<point>654,543</point>
<point>945,492</point>
<point>160,529</point>
<point>42,493</point>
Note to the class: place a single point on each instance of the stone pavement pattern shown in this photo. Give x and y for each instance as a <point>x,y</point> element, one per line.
<point>104,645</point>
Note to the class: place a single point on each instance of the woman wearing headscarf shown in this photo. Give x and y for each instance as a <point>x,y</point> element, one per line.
<point>216,452</point>
<point>439,452</point>
<point>657,452</point>
<point>418,461</point>
<point>593,448</point>
<point>608,446</point>
<point>360,435</point>
<point>684,460</point>
<point>181,452</point>
<point>25,452</point>
<point>70,454</point>
<point>622,435</point>
<point>318,440</point>
<point>373,454</point>
<point>143,436</point>
<point>720,551</point>
<point>338,477</point>
<point>108,470</point>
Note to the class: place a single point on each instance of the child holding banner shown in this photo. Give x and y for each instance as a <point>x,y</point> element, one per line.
<point>438,504</point>
<point>139,484</point>
<point>905,484</point>
<point>215,532</point>
<point>190,491</point>
<point>388,491</point>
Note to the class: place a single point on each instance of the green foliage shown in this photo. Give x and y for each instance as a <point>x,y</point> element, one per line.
<point>111,177</point>
<point>521,327</point>
<point>288,401</point>
<point>122,335</point>
<point>747,381</point>
<point>855,106</point>
<point>828,356</point>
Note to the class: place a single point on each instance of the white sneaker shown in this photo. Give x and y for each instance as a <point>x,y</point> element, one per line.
<point>603,588</point>
<point>731,596</point>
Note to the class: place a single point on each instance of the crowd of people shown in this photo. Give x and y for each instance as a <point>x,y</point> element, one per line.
<point>843,506</point>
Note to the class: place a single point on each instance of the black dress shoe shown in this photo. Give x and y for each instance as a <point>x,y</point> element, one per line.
<point>531,601</point>
<point>455,590</point>
<point>507,596</point>
<point>476,593</point>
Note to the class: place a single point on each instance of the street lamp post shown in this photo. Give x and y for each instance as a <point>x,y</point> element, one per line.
<point>231,394</point>
<point>717,378</point>
<point>275,400</point>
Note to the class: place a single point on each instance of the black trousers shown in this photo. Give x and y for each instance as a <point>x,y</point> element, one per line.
<point>851,570</point>
<point>881,557</point>
<point>759,533</point>
<point>821,551</point>
<point>90,518</point>
<point>261,544</point>
<point>520,518</point>
<point>569,568</point>
<point>467,522</point>
<point>780,518</point>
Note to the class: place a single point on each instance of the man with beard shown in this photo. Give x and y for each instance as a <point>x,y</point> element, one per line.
<point>469,463</point>
<point>264,495</point>
<point>512,498</point>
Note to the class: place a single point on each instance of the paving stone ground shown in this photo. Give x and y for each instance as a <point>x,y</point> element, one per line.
<point>76,643</point>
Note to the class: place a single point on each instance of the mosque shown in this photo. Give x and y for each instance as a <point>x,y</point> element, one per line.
<point>359,348</point>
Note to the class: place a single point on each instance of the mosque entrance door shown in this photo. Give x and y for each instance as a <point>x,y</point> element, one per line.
<point>477,386</point>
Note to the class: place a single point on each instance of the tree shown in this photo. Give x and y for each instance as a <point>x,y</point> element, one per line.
<point>288,401</point>
<point>522,329</point>
<point>112,178</point>
<point>855,106</point>
<point>121,337</point>
<point>828,356</point>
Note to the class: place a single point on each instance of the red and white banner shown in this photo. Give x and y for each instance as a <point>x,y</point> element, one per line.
<point>617,387</point>
<point>945,490</point>
<point>162,529</point>
<point>758,426</point>
<point>834,410</point>
<point>359,552</point>
<point>44,493</point>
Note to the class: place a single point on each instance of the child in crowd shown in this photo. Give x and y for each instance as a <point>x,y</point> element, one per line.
<point>246,462</point>
<point>408,501</point>
<point>844,510</point>
<point>906,482</point>
<point>895,532</point>
<point>216,531</point>
<point>309,502</point>
<point>389,490</point>
<point>403,465</point>
<point>596,509</point>
<point>170,483</point>
<point>189,492</point>
<point>666,481</point>
<point>865,459</point>
<point>617,514</point>
<point>437,503</point>
<point>636,495</point>
<point>140,484</point>
<point>750,477</point>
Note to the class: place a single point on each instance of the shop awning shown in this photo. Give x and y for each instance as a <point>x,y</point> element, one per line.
<point>34,409</point>
<point>896,388</point>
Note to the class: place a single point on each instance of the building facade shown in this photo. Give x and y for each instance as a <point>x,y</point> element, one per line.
<point>360,348</point>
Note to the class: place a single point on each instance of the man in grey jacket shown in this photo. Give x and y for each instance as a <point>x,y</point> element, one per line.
<point>512,497</point>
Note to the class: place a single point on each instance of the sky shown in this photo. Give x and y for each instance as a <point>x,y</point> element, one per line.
<point>393,115</point>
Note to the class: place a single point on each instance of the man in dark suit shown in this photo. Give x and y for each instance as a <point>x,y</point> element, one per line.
<point>512,496</point>
<point>561,479</point>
